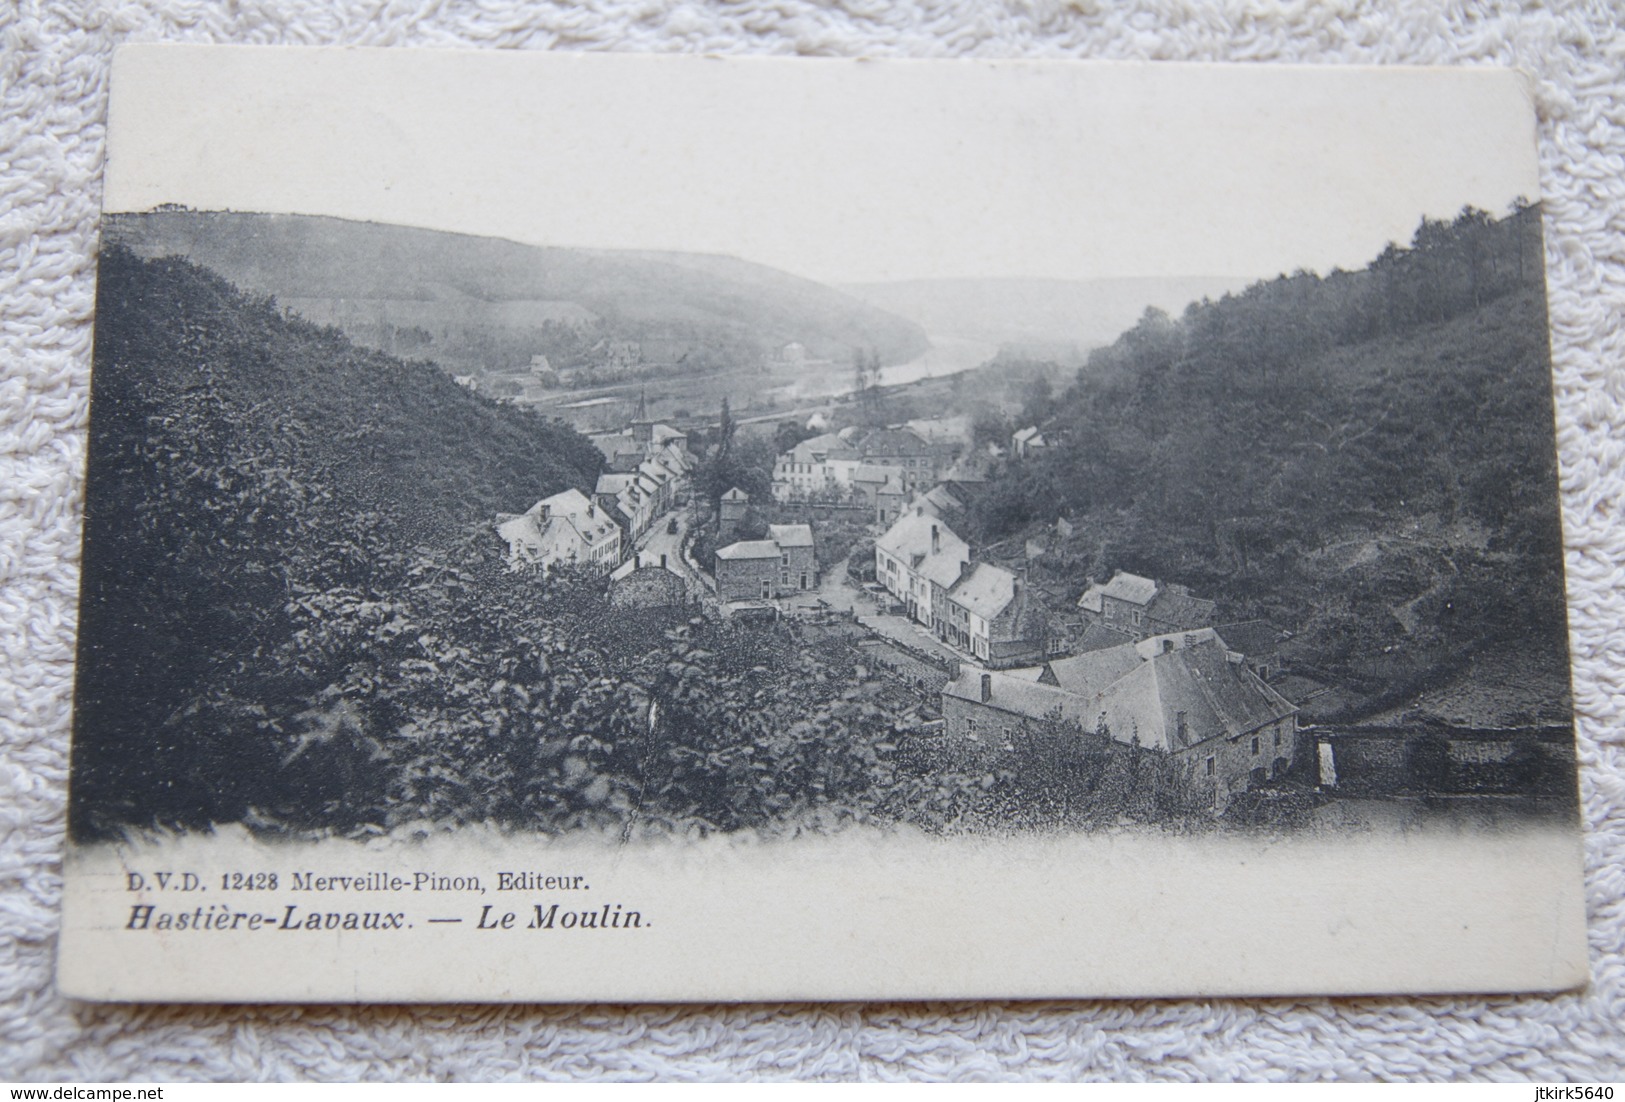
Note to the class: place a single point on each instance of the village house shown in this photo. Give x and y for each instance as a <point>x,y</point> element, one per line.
<point>821,466</point>
<point>1026,443</point>
<point>564,528</point>
<point>731,510</point>
<point>1135,607</point>
<point>642,582</point>
<point>1186,695</point>
<point>852,466</point>
<point>906,454</point>
<point>952,498</point>
<point>891,500</point>
<point>648,472</point>
<point>993,617</point>
<point>764,570</point>
<point>914,550</point>
<point>798,569</point>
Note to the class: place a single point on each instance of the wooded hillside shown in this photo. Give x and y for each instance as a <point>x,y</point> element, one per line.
<point>1367,457</point>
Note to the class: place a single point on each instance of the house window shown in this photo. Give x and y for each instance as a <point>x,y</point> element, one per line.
<point>1255,746</point>
<point>804,586</point>
<point>767,589</point>
<point>1136,615</point>
<point>1210,766</point>
<point>1277,738</point>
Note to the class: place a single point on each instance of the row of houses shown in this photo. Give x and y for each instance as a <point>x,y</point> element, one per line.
<point>875,468</point>
<point>983,610</point>
<point>1186,695</point>
<point>649,468</point>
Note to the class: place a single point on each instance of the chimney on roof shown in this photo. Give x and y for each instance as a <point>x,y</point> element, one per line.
<point>662,560</point>
<point>936,539</point>
<point>987,687</point>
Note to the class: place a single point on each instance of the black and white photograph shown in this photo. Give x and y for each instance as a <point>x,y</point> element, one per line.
<point>711,485</point>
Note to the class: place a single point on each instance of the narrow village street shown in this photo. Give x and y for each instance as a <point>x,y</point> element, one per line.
<point>658,541</point>
<point>840,593</point>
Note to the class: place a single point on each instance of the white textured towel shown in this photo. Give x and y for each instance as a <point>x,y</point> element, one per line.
<point>53,96</point>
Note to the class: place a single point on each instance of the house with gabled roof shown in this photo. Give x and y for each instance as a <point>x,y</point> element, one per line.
<point>1026,443</point>
<point>565,528</point>
<point>901,554</point>
<point>1185,695</point>
<point>1138,607</point>
<point>762,570</point>
<point>994,618</point>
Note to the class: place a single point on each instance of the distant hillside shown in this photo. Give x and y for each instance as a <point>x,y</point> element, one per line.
<point>475,304</point>
<point>1037,313</point>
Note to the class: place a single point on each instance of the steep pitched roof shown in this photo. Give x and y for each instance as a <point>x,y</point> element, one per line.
<point>791,535</point>
<point>1169,692</point>
<point>1089,673</point>
<point>911,535</point>
<point>736,494</point>
<point>942,570</point>
<point>1251,637</point>
<point>1090,601</point>
<point>1174,605</point>
<point>1130,587</point>
<point>986,591</point>
<point>818,448</point>
<point>1015,692</point>
<point>893,442</point>
<point>749,549</point>
<point>613,482</point>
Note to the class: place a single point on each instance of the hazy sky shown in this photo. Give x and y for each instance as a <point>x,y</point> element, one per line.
<point>836,170</point>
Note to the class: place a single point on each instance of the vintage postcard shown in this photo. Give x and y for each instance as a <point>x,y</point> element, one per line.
<point>675,528</point>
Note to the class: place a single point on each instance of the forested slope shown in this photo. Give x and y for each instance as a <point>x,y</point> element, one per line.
<point>1368,457</point>
<point>246,467</point>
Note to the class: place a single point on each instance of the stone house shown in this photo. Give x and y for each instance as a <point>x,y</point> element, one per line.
<point>764,570</point>
<point>1139,608</point>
